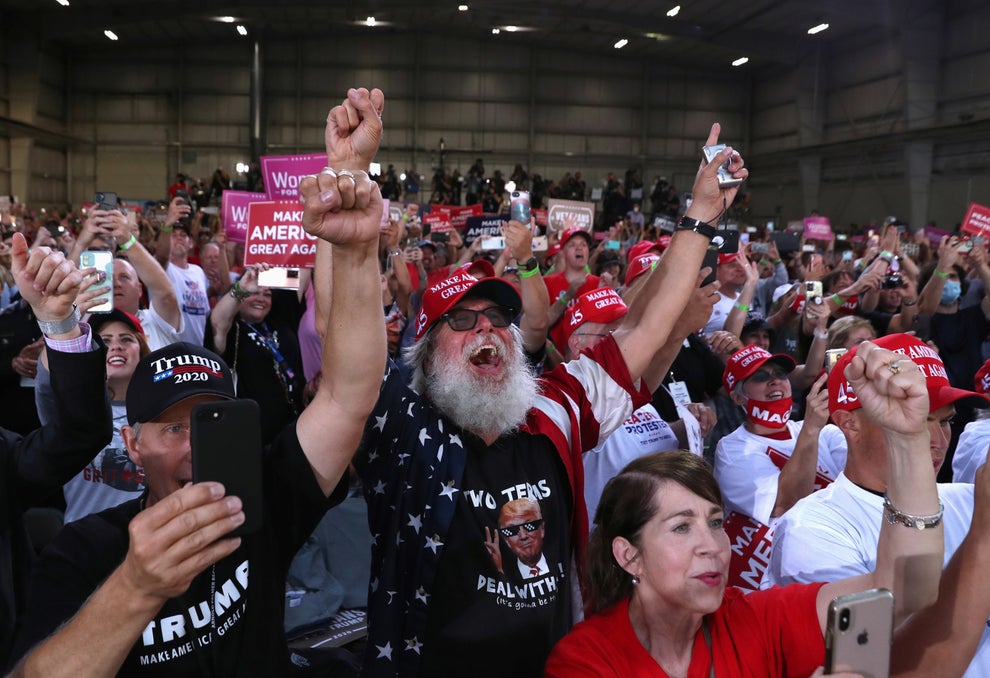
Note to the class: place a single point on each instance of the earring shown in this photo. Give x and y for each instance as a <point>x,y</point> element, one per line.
<point>635,580</point>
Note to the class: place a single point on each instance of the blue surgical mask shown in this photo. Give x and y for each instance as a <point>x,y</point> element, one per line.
<point>951,292</point>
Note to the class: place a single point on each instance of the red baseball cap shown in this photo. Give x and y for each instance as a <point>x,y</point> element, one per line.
<point>98,320</point>
<point>640,265</point>
<point>841,395</point>
<point>982,380</point>
<point>744,362</point>
<point>552,251</point>
<point>641,248</point>
<point>663,242</point>
<point>572,231</point>
<point>486,267</point>
<point>602,305</point>
<point>727,258</point>
<point>444,295</point>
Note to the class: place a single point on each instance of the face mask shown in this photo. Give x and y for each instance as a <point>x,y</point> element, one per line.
<point>769,413</point>
<point>951,292</point>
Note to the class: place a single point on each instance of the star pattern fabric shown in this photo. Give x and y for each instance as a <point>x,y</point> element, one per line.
<point>411,461</point>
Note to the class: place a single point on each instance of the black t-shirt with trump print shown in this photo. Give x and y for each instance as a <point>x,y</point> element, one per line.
<point>513,511</point>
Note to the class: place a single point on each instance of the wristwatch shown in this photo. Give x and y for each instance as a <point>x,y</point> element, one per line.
<point>52,327</point>
<point>530,264</point>
<point>700,227</point>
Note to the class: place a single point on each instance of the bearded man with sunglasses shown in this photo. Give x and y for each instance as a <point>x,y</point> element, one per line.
<point>770,462</point>
<point>475,430</point>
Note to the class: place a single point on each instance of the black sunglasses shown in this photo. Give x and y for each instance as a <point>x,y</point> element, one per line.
<point>513,530</point>
<point>763,376</point>
<point>464,319</point>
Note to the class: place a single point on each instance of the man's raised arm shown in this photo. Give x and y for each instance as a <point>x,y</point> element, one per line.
<point>665,293</point>
<point>343,206</point>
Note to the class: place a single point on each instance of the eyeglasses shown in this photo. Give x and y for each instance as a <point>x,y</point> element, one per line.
<point>513,530</point>
<point>763,376</point>
<point>464,319</point>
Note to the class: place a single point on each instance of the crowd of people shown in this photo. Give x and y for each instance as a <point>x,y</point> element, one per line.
<point>630,454</point>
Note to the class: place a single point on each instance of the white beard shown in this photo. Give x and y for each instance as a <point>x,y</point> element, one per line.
<point>478,404</point>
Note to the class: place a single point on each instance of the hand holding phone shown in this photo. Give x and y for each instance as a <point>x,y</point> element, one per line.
<point>103,263</point>
<point>725,178</point>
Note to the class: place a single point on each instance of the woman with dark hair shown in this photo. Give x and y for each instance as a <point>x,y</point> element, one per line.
<point>658,558</point>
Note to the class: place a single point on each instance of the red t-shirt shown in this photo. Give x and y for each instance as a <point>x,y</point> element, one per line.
<point>765,633</point>
<point>557,284</point>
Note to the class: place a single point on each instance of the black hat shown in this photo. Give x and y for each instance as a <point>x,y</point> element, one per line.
<point>173,373</point>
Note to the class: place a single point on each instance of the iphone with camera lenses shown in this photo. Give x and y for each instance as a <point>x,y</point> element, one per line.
<point>103,263</point>
<point>226,448</point>
<point>858,633</point>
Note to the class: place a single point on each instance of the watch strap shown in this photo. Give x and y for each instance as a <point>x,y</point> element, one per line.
<point>530,264</point>
<point>54,327</point>
<point>701,227</point>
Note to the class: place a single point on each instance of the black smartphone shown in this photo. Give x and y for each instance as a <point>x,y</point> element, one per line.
<point>106,201</point>
<point>724,242</point>
<point>226,448</point>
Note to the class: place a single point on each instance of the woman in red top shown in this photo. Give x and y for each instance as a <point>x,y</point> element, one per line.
<point>658,559</point>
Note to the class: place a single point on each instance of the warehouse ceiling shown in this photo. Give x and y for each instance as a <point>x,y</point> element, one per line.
<point>701,33</point>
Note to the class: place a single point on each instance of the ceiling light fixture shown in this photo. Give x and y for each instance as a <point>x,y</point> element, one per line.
<point>64,3</point>
<point>226,19</point>
<point>462,8</point>
<point>621,43</point>
<point>817,29</point>
<point>673,11</point>
<point>740,61</point>
<point>370,21</point>
<point>242,30</point>
<point>512,29</point>
<point>496,31</point>
<point>110,34</point>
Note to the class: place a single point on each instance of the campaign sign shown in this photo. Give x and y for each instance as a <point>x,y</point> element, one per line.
<point>540,216</point>
<point>438,221</point>
<point>935,234</point>
<point>977,221</point>
<point>234,213</point>
<point>275,235</point>
<point>482,226</point>
<point>566,213</point>
<point>283,173</point>
<point>818,228</point>
<point>458,215</point>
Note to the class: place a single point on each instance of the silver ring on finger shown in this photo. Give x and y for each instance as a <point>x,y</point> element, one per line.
<point>894,367</point>
<point>346,174</point>
<point>329,171</point>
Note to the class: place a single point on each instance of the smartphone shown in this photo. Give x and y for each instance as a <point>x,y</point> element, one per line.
<point>519,206</point>
<point>711,260</point>
<point>540,243</point>
<point>106,201</point>
<point>759,248</point>
<point>858,633</point>
<point>847,255</point>
<point>101,261</point>
<point>226,448</point>
<point>495,242</point>
<point>812,294</point>
<point>965,245</point>
<point>832,356</point>
<point>725,178</point>
<point>613,245</point>
<point>281,278</point>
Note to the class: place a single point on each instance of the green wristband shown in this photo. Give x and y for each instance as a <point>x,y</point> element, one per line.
<point>131,242</point>
<point>742,307</point>
<point>529,274</point>
<point>941,275</point>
